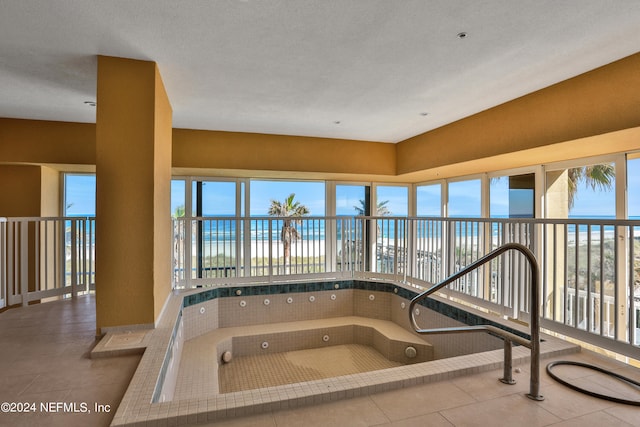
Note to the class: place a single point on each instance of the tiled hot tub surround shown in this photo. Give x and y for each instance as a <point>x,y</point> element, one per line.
<point>256,313</point>
<point>198,311</point>
<point>243,306</point>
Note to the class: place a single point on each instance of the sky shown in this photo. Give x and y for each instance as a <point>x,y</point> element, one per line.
<point>309,193</point>
<point>219,197</point>
<point>80,195</point>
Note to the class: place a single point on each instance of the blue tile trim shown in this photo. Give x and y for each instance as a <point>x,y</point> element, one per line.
<point>286,288</point>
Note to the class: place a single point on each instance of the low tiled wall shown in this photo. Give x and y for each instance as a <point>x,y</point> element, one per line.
<point>139,407</point>
<point>392,349</point>
<point>211,309</point>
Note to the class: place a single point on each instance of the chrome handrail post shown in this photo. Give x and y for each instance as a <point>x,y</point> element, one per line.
<point>533,343</point>
<point>507,372</point>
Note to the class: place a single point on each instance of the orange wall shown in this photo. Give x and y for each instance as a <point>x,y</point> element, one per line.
<point>237,150</point>
<point>20,187</point>
<point>162,229</point>
<point>603,100</point>
<point>33,141</point>
<point>38,141</point>
<point>133,152</point>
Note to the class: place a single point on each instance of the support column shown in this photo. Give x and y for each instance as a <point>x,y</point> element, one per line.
<point>133,181</point>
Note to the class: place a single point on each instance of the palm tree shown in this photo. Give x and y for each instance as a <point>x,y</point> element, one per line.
<point>596,176</point>
<point>179,212</point>
<point>381,210</point>
<point>288,210</point>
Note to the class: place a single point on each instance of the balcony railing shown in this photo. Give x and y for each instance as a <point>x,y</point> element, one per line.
<point>590,269</point>
<point>42,258</point>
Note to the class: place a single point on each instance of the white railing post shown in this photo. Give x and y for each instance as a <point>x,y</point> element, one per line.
<point>188,251</point>
<point>246,248</point>
<point>331,247</point>
<point>270,250</point>
<point>74,263</point>
<point>3,262</point>
<point>622,284</point>
<point>24,262</point>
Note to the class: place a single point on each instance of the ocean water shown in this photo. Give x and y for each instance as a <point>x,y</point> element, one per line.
<point>314,229</point>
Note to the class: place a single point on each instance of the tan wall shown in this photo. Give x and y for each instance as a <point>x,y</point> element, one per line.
<point>565,120</point>
<point>50,189</point>
<point>604,100</point>
<point>29,191</point>
<point>34,141</point>
<point>38,141</point>
<point>163,232</point>
<point>250,151</point>
<point>20,187</point>
<point>127,168</point>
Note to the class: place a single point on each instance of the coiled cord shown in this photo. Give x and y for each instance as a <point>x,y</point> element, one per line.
<point>589,392</point>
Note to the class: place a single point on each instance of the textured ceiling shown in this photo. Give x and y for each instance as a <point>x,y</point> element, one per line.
<point>356,69</point>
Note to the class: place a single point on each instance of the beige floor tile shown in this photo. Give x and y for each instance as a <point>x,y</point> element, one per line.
<point>348,412</point>
<point>487,385</point>
<point>608,386</point>
<point>55,381</point>
<point>44,358</point>
<point>34,416</point>
<point>597,419</point>
<point>11,386</point>
<point>626,413</point>
<point>513,410</point>
<point>262,420</point>
<point>420,400</point>
<point>74,419</point>
<point>430,420</point>
<point>566,403</point>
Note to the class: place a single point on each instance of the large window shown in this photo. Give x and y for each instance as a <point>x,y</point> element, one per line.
<point>465,199</point>
<point>582,192</point>
<point>308,193</point>
<point>633,212</point>
<point>214,198</point>
<point>352,200</point>
<point>633,188</point>
<point>429,200</point>
<point>391,201</point>
<point>178,198</point>
<point>512,196</point>
<point>79,195</point>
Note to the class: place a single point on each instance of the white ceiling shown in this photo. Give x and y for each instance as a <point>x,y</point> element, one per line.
<point>297,67</point>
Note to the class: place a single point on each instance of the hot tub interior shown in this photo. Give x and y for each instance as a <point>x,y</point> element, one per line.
<point>275,321</point>
<point>177,379</point>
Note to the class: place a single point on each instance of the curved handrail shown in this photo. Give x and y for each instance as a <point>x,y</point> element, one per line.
<point>533,343</point>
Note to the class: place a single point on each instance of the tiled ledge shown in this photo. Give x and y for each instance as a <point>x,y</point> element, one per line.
<point>122,344</point>
<point>137,409</point>
<point>229,405</point>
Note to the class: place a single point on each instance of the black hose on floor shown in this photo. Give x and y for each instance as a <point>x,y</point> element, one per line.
<point>589,392</point>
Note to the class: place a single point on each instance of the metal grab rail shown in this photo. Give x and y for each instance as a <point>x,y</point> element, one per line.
<point>533,343</point>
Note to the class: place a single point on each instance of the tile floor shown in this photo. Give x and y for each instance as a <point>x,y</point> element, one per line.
<point>43,358</point>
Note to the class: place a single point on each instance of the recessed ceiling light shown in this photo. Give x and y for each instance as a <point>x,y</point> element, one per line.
<point>90,103</point>
<point>462,35</point>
